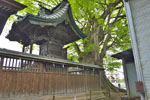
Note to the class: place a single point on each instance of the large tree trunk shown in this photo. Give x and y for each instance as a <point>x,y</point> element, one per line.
<point>95,55</point>
<point>100,39</point>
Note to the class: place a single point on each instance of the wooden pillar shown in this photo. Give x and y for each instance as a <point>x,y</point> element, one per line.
<point>1,63</point>
<point>100,79</point>
<point>86,79</point>
<point>41,67</point>
<point>67,79</point>
<point>90,95</point>
<point>31,47</point>
<point>23,48</point>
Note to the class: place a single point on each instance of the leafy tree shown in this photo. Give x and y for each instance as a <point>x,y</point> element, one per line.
<point>105,24</point>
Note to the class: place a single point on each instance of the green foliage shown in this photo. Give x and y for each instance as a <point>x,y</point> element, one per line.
<point>90,12</point>
<point>111,64</point>
<point>72,55</point>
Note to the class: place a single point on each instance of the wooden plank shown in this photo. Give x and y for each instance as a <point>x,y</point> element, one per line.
<point>47,84</point>
<point>12,64</point>
<point>33,83</point>
<point>28,84</point>
<point>17,84</point>
<point>38,82</point>
<point>50,83</point>
<point>20,83</point>
<point>1,63</point>
<point>5,64</point>
<point>3,84</point>
<point>16,61</point>
<point>9,64</point>
<point>7,84</point>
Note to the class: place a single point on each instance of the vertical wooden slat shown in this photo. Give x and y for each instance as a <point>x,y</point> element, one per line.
<point>7,93</point>
<point>22,83</point>
<point>67,84</point>
<point>4,84</point>
<point>25,83</point>
<point>5,63</point>
<point>17,84</point>
<point>50,82</point>
<point>28,84</point>
<point>44,83</point>
<point>9,64</point>
<point>1,82</point>
<point>1,63</point>
<point>37,85</point>
<point>12,64</point>
<point>53,85</point>
<point>41,67</point>
<point>13,83</point>
<point>33,83</point>
<point>16,64</point>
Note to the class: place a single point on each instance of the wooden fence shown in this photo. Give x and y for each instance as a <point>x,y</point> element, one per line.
<point>13,83</point>
<point>21,76</point>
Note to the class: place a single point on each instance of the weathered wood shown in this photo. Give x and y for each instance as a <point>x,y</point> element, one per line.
<point>53,50</point>
<point>41,67</point>
<point>23,48</point>
<point>35,83</point>
<point>30,77</point>
<point>16,55</point>
<point>31,47</point>
<point>1,63</point>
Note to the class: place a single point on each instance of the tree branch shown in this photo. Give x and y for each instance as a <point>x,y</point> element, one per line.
<point>104,48</point>
<point>111,45</point>
<point>118,16</point>
<point>76,46</point>
<point>108,10</point>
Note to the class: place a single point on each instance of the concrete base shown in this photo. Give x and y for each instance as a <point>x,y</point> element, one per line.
<point>94,95</point>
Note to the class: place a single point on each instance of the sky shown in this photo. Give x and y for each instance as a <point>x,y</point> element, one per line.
<point>5,43</point>
<point>12,45</point>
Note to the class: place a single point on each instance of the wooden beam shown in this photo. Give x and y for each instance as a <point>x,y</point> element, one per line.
<point>25,56</point>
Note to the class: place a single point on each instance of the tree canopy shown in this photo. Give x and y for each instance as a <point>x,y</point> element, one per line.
<point>103,21</point>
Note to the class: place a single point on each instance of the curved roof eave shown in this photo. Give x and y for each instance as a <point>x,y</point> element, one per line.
<point>59,19</point>
<point>74,26</point>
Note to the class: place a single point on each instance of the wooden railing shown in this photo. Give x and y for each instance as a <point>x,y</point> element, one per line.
<point>24,74</point>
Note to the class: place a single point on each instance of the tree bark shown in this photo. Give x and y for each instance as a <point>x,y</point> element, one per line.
<point>99,37</point>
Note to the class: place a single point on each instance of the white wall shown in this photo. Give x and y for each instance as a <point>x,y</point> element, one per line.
<point>140,10</point>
